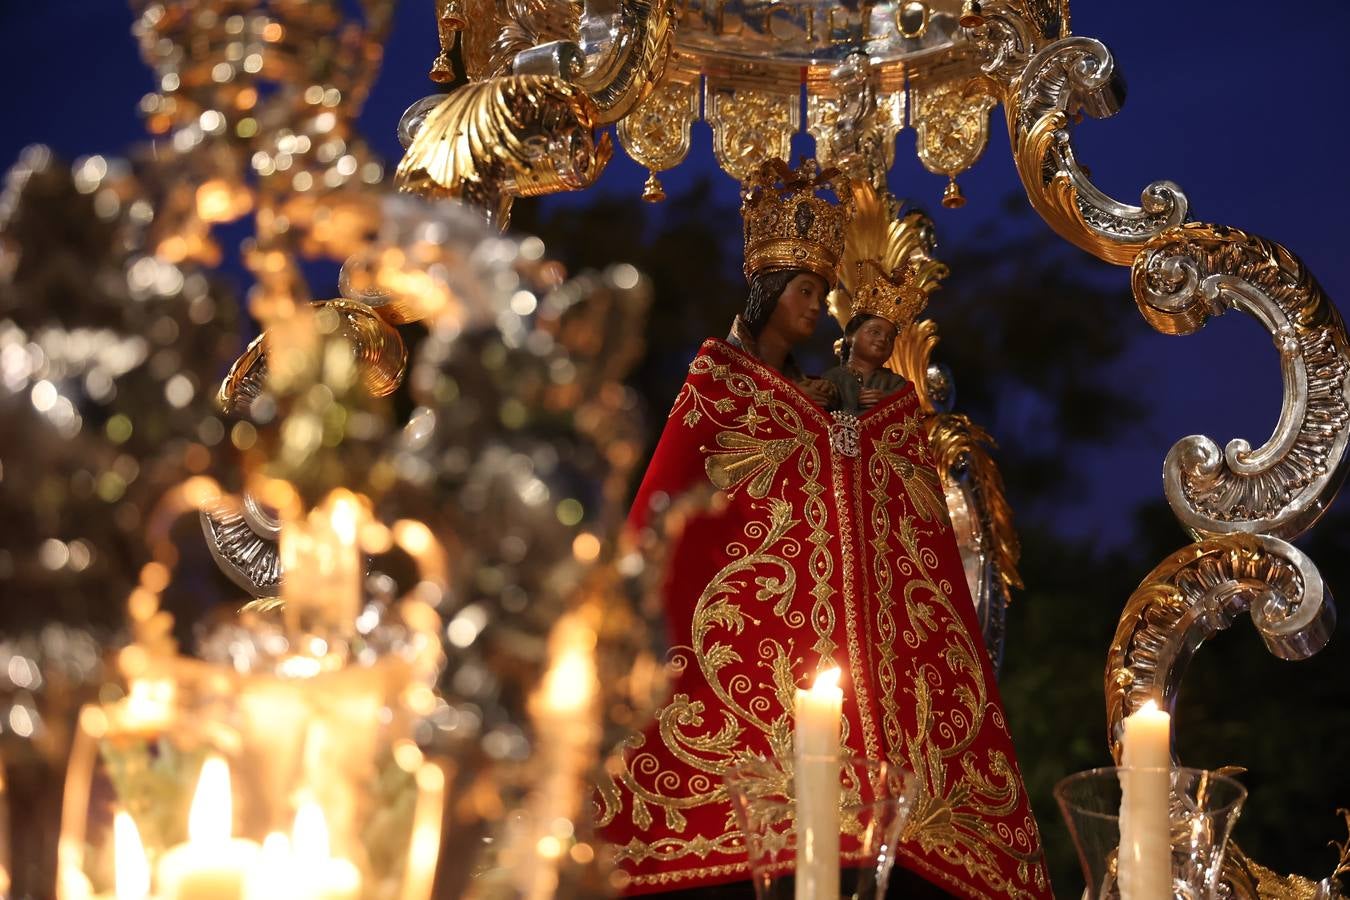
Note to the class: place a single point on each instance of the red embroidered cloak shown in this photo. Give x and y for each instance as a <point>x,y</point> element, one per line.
<point>819,559</point>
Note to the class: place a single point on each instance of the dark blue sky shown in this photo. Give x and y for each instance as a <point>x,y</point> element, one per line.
<point>1238,102</point>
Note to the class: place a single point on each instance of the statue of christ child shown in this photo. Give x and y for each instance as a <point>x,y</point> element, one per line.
<point>883,307</point>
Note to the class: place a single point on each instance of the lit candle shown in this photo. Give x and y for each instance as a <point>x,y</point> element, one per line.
<point>819,713</point>
<point>131,870</point>
<point>211,865</point>
<point>274,875</point>
<point>1145,860</point>
<point>302,867</point>
<point>323,565</point>
<point>325,878</point>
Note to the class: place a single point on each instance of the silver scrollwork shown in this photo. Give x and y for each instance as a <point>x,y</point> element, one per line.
<point>1190,273</point>
<point>1071,75</point>
<point>1196,593</point>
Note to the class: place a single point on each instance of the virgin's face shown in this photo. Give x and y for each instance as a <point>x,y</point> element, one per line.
<point>874,340</point>
<point>799,308</point>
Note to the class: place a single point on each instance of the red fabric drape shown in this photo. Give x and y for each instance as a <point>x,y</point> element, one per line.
<point>818,559</point>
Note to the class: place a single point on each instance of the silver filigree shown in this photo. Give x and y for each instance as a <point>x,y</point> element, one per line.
<point>844,435</point>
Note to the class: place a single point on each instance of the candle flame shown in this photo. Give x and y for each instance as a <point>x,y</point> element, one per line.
<point>131,871</point>
<point>568,686</point>
<point>344,512</point>
<point>827,680</point>
<point>309,834</point>
<point>211,817</point>
<point>1149,706</point>
<point>276,848</point>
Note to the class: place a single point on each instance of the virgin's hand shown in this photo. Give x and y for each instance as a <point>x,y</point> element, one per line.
<point>821,392</point>
<point>870,397</point>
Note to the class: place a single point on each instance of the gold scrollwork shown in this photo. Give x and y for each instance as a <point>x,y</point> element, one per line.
<point>513,136</point>
<point>476,26</point>
<point>523,24</point>
<point>955,442</point>
<point>635,61</point>
<point>1199,591</point>
<point>1187,274</point>
<point>1051,17</point>
<point>749,125</point>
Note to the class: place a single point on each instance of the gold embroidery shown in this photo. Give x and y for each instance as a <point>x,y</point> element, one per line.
<point>853,623</point>
<point>710,750</point>
<point>746,458</point>
<point>757,431</point>
<point>962,792</point>
<point>921,480</point>
<point>750,448</point>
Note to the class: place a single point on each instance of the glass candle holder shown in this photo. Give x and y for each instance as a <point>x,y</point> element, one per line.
<point>1172,841</point>
<point>298,781</point>
<point>874,799</point>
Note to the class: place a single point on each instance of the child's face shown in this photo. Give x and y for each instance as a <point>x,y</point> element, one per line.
<point>873,341</point>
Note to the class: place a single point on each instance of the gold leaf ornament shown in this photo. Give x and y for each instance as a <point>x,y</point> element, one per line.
<point>506,137</point>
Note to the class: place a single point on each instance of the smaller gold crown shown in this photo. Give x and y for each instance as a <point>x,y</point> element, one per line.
<point>897,300</point>
<point>787,226</point>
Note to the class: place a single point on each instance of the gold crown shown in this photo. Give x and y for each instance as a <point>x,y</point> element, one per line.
<point>897,300</point>
<point>787,226</point>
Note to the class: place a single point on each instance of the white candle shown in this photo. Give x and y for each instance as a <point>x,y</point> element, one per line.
<point>131,870</point>
<point>274,875</point>
<point>819,713</point>
<point>302,867</point>
<point>1145,862</point>
<point>211,865</point>
<point>326,878</point>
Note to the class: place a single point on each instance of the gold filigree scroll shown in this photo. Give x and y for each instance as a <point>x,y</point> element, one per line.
<point>1192,595</point>
<point>749,125</point>
<point>1051,17</point>
<point>657,133</point>
<point>1180,279</point>
<point>958,444</point>
<point>474,24</point>
<point>514,136</point>
<point>962,789</point>
<point>1199,591</point>
<point>634,61</point>
<point>380,355</point>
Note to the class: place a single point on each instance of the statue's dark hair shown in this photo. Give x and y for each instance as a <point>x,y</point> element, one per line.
<point>765,289</point>
<point>851,329</point>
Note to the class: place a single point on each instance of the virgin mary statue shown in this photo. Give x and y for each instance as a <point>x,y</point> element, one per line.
<point>833,549</point>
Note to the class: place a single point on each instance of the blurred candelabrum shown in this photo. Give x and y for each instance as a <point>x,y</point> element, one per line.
<point>421,604</point>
